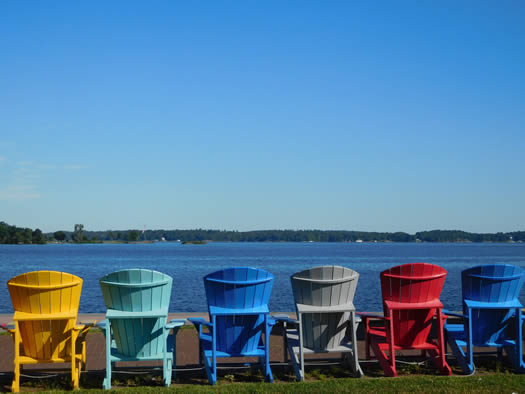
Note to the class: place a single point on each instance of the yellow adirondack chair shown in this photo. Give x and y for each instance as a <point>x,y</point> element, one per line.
<point>46,309</point>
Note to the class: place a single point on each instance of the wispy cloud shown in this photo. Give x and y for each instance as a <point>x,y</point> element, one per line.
<point>22,179</point>
<point>19,193</point>
<point>75,167</point>
<point>20,182</point>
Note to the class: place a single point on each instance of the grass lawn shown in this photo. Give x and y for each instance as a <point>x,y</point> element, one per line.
<point>319,380</point>
<point>432,384</point>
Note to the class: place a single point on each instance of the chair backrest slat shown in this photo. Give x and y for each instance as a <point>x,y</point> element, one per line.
<point>137,290</point>
<point>324,286</point>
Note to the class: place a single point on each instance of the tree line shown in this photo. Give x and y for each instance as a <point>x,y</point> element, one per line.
<point>298,236</point>
<point>17,235</point>
<point>20,235</point>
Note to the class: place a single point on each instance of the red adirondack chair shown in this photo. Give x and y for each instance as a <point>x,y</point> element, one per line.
<point>410,305</point>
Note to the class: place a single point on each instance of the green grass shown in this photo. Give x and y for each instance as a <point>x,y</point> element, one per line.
<point>494,377</point>
<point>428,384</point>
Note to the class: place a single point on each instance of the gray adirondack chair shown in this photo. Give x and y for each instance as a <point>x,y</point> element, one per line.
<point>326,321</point>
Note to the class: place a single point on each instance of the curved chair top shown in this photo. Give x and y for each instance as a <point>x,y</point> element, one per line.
<point>238,288</point>
<point>326,274</point>
<point>136,290</point>
<point>44,292</point>
<point>413,283</point>
<point>324,286</point>
<point>492,282</point>
<point>240,276</point>
<point>44,280</point>
<point>415,271</point>
<point>136,277</point>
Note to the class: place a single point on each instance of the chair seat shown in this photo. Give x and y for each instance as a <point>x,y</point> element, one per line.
<point>116,356</point>
<point>457,333</point>
<point>292,336</point>
<point>206,346</point>
<point>30,360</point>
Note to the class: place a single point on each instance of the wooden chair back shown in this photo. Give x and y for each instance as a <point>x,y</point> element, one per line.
<point>238,289</point>
<point>324,286</point>
<point>43,294</point>
<point>138,290</point>
<point>489,284</point>
<point>411,287</point>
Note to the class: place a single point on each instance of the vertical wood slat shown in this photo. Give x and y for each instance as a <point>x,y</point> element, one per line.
<point>57,327</point>
<point>45,307</point>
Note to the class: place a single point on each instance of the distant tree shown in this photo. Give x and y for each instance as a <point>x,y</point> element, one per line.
<point>59,235</point>
<point>27,236</point>
<point>38,237</point>
<point>132,235</point>
<point>78,234</point>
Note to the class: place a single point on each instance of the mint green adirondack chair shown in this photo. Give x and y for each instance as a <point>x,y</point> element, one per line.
<point>135,325</point>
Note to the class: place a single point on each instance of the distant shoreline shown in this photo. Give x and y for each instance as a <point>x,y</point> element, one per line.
<point>16,235</point>
<point>204,242</point>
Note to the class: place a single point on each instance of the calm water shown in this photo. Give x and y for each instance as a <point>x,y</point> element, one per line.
<point>187,264</point>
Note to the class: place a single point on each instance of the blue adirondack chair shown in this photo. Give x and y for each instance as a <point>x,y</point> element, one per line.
<point>135,325</point>
<point>490,307</point>
<point>239,315</point>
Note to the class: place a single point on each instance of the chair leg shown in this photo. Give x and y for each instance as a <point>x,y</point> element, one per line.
<point>443,366</point>
<point>15,386</point>
<point>107,380</point>
<point>387,363</point>
<point>301,344</point>
<point>211,370</point>
<point>84,355</point>
<point>168,372</point>
<point>267,369</point>
<point>367,344</point>
<point>356,368</point>
<point>74,361</point>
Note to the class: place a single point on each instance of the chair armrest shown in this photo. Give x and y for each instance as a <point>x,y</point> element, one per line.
<point>175,323</point>
<point>88,323</point>
<point>102,324</point>
<point>455,314</point>
<point>370,315</point>
<point>285,319</point>
<point>10,328</point>
<point>199,321</point>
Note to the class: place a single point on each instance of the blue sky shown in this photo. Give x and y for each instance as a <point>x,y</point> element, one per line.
<point>243,115</point>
